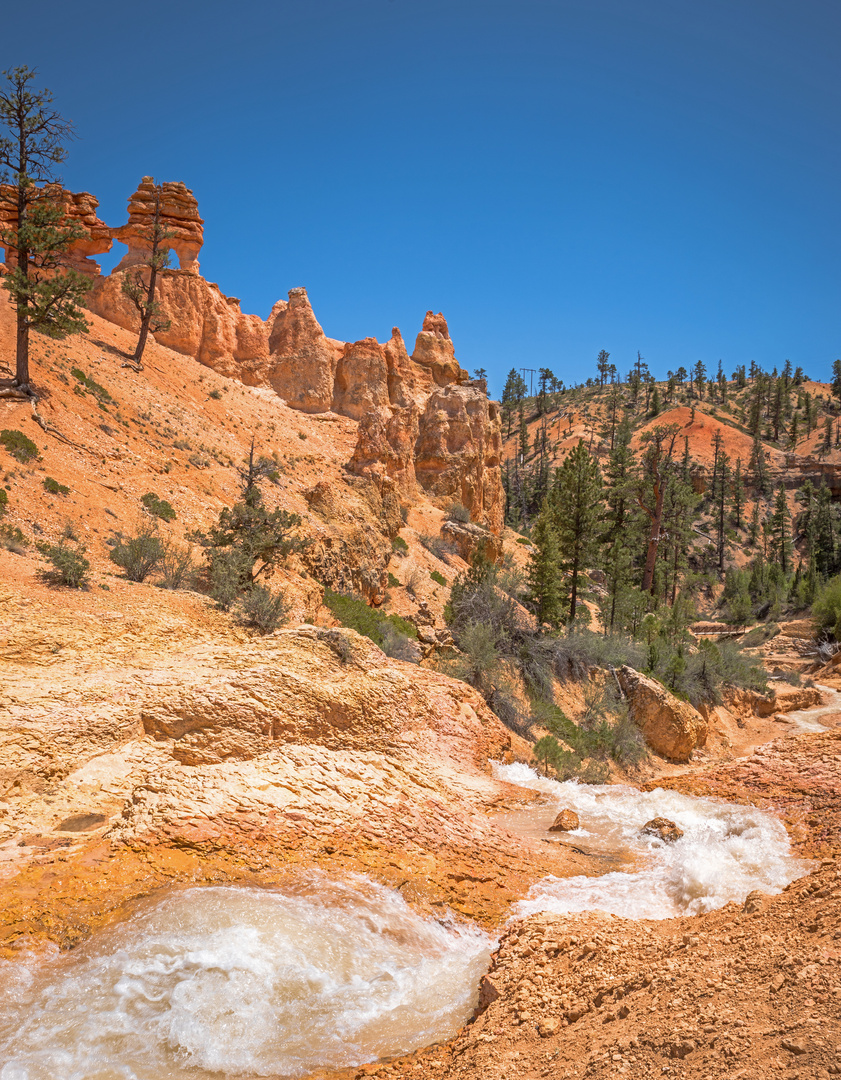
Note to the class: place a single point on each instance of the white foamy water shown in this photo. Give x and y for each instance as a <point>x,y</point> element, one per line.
<point>242,981</point>
<point>727,851</point>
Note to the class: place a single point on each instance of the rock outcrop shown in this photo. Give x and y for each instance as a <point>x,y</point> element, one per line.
<point>80,210</point>
<point>672,728</point>
<point>179,214</point>
<point>424,424</point>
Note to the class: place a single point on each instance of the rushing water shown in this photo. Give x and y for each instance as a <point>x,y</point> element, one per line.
<point>726,852</point>
<point>214,982</point>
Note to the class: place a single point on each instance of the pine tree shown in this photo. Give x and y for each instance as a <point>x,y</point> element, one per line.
<point>139,290</point>
<point>46,295</point>
<point>656,462</point>
<point>781,530</point>
<point>825,547</point>
<point>738,495</point>
<point>544,570</point>
<point>576,506</point>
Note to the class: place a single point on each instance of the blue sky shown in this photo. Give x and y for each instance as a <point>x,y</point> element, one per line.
<point>556,176</point>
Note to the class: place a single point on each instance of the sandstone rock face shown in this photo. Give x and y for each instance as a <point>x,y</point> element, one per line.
<point>204,322</point>
<point>385,449</point>
<point>80,208</point>
<point>361,381</point>
<point>663,829</point>
<point>179,213</point>
<point>468,539</point>
<point>434,350</point>
<point>672,728</point>
<point>302,360</point>
<point>458,452</point>
<point>566,821</point>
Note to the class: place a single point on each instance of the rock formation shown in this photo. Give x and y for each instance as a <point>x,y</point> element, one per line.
<point>179,214</point>
<point>80,209</point>
<point>672,728</point>
<point>423,423</point>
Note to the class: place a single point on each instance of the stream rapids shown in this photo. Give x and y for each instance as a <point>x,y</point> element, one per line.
<point>236,981</point>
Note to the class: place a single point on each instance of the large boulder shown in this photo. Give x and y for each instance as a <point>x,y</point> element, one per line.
<point>672,728</point>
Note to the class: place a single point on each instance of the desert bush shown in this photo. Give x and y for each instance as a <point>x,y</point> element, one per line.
<point>54,487</point>
<point>137,555</point>
<point>12,539</point>
<point>227,575</point>
<point>158,508</point>
<point>176,567</point>
<point>579,651</point>
<point>414,580</point>
<point>262,610</point>
<point>399,646</point>
<point>393,583</point>
<point>68,565</point>
<point>354,613</point>
<point>458,512</point>
<point>4,500</point>
<point>215,394</point>
<point>399,546</point>
<point>20,446</point>
<point>93,387</point>
<point>436,545</point>
<point>200,461</point>
<point>826,609</point>
<point>438,577</point>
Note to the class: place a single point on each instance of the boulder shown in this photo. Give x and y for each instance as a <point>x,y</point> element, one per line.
<point>663,829</point>
<point>672,728</point>
<point>566,821</point>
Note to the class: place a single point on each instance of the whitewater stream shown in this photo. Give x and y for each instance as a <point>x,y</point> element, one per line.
<point>219,982</point>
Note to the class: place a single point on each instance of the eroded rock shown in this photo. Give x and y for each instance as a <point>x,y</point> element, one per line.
<point>672,728</point>
<point>566,821</point>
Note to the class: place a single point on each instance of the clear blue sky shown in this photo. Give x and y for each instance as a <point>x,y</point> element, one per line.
<point>556,176</point>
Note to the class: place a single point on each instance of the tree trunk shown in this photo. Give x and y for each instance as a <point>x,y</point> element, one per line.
<point>22,350</point>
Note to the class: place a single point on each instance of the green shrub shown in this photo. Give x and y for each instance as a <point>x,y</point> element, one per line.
<point>215,394</point>
<point>457,512</point>
<point>98,391</point>
<point>262,610</point>
<point>353,612</point>
<point>4,501</point>
<point>138,555</point>
<point>393,583</point>
<point>12,539</point>
<point>227,575</point>
<point>54,487</point>
<point>21,447</point>
<point>436,576</point>
<point>399,546</point>
<point>827,607</point>
<point>176,567</point>
<point>69,565</point>
<point>524,540</point>
<point>159,508</point>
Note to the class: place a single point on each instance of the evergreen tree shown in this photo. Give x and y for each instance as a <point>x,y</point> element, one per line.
<point>512,394</point>
<point>738,495</point>
<point>781,530</point>
<point>577,509</point>
<point>139,284</point>
<point>824,544</point>
<point>656,463</point>
<point>836,379</point>
<point>45,294</point>
<point>544,569</point>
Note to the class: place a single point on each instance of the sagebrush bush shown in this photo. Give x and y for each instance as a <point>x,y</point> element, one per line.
<point>68,565</point>
<point>262,610</point>
<point>458,512</point>
<point>137,555</point>
<point>353,612</point>
<point>12,539</point>
<point>4,500</point>
<point>158,508</point>
<point>20,446</point>
<point>827,607</point>
<point>177,567</point>
<point>54,487</point>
